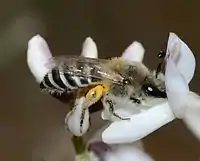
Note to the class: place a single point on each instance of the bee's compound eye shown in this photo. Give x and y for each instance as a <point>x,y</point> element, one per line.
<point>125,81</point>
<point>150,89</point>
<point>95,94</point>
<point>154,91</point>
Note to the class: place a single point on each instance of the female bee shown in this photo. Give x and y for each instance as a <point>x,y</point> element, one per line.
<point>73,74</point>
<point>95,78</point>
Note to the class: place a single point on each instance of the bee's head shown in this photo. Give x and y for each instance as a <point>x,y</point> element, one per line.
<point>142,79</point>
<point>140,83</point>
<point>150,90</point>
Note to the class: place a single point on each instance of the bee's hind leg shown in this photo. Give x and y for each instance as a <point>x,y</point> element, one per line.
<point>78,119</point>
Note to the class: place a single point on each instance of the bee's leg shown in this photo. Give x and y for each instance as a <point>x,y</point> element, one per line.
<point>111,110</point>
<point>95,94</point>
<point>161,55</point>
<point>135,100</point>
<point>77,120</point>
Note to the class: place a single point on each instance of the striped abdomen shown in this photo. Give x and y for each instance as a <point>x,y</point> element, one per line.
<point>63,82</point>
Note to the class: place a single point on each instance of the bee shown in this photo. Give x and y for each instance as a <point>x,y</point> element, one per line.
<point>102,79</point>
<point>94,78</point>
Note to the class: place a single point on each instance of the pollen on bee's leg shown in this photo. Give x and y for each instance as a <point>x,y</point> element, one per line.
<point>77,120</point>
<point>95,94</point>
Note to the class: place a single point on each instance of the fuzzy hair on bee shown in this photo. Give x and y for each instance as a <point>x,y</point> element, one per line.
<point>143,87</point>
<point>139,80</point>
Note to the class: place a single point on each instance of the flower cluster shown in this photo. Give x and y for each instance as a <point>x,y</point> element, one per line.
<point>180,103</point>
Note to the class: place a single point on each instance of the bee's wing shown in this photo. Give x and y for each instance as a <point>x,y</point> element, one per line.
<point>85,66</point>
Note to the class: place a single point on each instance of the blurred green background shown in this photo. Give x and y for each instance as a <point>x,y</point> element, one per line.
<point>33,122</point>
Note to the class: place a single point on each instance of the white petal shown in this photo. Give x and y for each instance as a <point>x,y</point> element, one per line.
<point>183,56</point>
<point>126,153</point>
<point>133,151</point>
<point>192,114</point>
<point>89,48</point>
<point>176,87</point>
<point>139,126</point>
<point>74,117</point>
<point>135,52</point>
<point>38,54</point>
<point>96,137</point>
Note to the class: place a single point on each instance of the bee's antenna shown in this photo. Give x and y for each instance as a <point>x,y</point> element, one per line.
<point>160,55</point>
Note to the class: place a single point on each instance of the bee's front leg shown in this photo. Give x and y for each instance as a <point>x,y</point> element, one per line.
<point>109,109</point>
<point>77,120</point>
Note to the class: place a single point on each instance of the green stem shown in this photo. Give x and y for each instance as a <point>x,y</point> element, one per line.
<point>79,144</point>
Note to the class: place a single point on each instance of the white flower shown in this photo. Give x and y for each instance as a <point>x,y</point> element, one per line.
<point>122,152</point>
<point>181,103</point>
<point>117,152</point>
<point>180,69</point>
<point>73,118</point>
<point>143,122</point>
<point>180,66</point>
<point>38,56</point>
